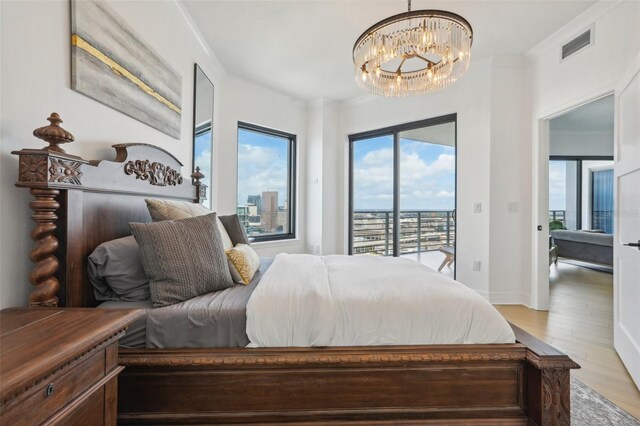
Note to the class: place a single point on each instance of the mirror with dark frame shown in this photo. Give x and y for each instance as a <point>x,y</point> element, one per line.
<point>203,128</point>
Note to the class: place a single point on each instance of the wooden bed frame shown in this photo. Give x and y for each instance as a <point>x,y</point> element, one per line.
<point>79,204</point>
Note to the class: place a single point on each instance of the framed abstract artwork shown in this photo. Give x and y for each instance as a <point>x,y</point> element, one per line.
<point>111,64</point>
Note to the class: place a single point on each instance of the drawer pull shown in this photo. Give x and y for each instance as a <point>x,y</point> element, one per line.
<point>49,391</point>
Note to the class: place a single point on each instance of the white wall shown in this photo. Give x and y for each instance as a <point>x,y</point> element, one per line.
<point>558,86</point>
<point>312,181</point>
<point>245,102</point>
<point>510,218</point>
<point>470,98</point>
<point>595,70</point>
<point>324,176</point>
<point>35,81</point>
<point>332,177</point>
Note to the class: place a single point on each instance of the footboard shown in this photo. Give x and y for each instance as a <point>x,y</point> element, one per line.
<point>491,384</point>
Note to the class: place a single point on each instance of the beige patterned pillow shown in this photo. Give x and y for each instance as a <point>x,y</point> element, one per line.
<point>178,210</point>
<point>243,263</point>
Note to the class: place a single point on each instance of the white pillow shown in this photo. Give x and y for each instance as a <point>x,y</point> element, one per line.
<point>178,210</point>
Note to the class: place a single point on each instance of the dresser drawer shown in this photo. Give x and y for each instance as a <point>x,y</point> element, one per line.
<point>89,413</point>
<point>43,400</point>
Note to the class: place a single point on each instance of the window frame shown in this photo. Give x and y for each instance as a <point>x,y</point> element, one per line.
<point>291,178</point>
<point>395,131</point>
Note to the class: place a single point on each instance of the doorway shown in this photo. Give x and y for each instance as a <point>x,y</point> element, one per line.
<point>581,315</point>
<point>581,189</point>
<point>626,238</point>
<point>402,192</point>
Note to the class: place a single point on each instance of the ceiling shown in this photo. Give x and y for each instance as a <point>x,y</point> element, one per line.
<point>596,116</point>
<point>441,134</point>
<point>303,47</point>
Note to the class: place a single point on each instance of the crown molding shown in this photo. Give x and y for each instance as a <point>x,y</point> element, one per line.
<point>197,34</point>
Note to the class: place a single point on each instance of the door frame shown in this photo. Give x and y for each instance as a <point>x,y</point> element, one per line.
<point>395,131</point>
<point>540,231</point>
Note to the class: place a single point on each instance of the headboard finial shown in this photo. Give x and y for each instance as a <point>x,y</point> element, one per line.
<point>201,188</point>
<point>53,133</point>
<point>196,176</point>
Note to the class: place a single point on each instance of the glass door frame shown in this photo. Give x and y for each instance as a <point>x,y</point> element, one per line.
<point>395,132</point>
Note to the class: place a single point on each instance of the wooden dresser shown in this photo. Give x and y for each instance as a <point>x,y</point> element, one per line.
<point>60,366</point>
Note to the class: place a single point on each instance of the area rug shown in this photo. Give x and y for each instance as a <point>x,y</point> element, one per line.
<point>589,408</point>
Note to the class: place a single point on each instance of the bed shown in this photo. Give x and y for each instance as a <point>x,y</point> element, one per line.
<point>79,204</point>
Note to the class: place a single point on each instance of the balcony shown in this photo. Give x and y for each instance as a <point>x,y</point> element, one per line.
<point>420,231</point>
<point>559,215</point>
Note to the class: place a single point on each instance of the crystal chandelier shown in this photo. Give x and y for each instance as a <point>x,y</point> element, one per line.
<point>413,53</point>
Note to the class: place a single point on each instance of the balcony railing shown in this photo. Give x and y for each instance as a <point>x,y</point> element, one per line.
<point>420,230</point>
<point>557,215</point>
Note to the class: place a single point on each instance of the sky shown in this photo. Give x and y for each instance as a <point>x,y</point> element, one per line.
<point>427,172</point>
<point>262,165</point>
<point>557,185</point>
<point>427,175</point>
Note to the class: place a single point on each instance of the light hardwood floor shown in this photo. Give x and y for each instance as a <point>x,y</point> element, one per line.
<point>580,323</point>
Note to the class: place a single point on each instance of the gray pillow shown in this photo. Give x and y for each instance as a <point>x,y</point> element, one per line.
<point>181,258</point>
<point>235,229</point>
<point>116,273</point>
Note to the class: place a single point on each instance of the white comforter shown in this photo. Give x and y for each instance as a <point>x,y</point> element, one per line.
<point>305,300</point>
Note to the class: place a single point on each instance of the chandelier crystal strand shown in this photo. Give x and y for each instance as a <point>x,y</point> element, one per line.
<point>437,43</point>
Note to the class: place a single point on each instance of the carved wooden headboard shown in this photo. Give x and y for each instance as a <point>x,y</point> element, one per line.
<point>80,204</point>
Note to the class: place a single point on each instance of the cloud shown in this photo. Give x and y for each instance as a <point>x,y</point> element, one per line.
<point>424,184</point>
<point>445,194</point>
<point>380,157</point>
<point>414,167</point>
<point>261,169</point>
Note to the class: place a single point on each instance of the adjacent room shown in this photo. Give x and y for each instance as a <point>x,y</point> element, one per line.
<point>319,212</point>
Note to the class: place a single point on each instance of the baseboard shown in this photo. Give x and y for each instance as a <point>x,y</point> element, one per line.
<point>624,344</point>
<point>508,298</point>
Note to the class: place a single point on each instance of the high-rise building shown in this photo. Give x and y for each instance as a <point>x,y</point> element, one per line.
<point>243,215</point>
<point>269,211</point>
<point>283,220</point>
<point>255,200</point>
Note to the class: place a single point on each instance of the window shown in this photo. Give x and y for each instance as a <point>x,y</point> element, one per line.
<point>602,200</point>
<point>266,182</point>
<point>572,200</point>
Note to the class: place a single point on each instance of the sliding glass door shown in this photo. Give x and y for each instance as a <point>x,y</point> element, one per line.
<point>427,188</point>
<point>404,175</point>
<point>372,195</point>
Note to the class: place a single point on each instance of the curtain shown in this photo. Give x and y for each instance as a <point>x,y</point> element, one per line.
<point>602,200</point>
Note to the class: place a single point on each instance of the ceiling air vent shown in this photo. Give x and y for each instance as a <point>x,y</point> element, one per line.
<point>577,44</point>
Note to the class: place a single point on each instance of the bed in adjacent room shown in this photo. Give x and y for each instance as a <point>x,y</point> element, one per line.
<point>376,339</point>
